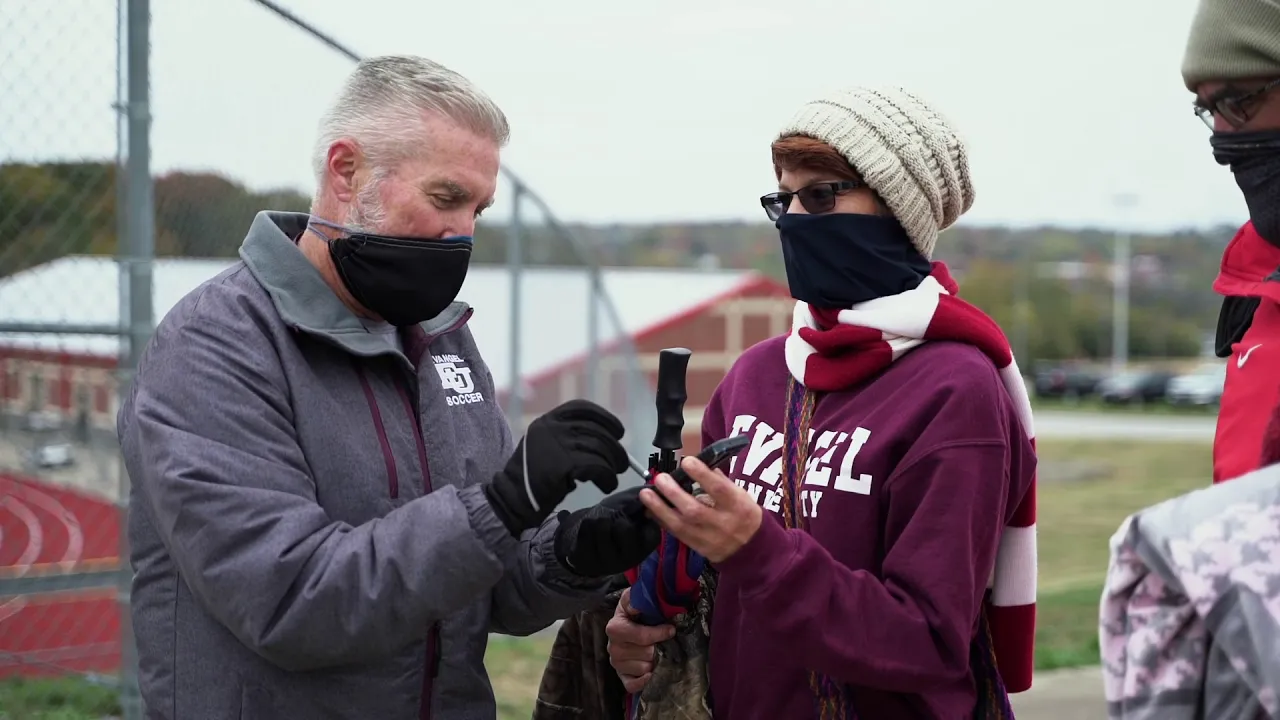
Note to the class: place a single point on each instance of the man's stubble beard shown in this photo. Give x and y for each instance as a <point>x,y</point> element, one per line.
<point>367,214</point>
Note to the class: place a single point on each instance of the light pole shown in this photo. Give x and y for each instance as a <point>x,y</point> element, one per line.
<point>1120,286</point>
<point>1024,268</point>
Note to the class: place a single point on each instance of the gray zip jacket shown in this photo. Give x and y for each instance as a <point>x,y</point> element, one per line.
<point>307,530</point>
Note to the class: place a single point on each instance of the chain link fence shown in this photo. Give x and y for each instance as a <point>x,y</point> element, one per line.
<point>91,239</point>
<point>566,334</point>
<point>566,337</point>
<point>62,215</point>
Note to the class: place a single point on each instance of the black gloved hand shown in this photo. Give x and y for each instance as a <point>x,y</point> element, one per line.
<point>608,538</point>
<point>576,441</point>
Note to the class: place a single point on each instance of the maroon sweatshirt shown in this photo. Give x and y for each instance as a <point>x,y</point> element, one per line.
<point>907,494</point>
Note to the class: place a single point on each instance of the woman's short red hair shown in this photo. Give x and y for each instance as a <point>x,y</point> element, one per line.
<point>801,152</point>
<point>796,152</point>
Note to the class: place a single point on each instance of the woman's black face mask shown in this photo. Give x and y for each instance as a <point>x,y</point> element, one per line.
<point>837,260</point>
<point>1254,159</point>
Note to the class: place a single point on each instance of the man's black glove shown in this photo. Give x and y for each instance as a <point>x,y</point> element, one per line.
<point>608,538</point>
<point>576,441</point>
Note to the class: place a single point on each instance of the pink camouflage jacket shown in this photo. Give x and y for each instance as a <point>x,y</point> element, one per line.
<point>1190,614</point>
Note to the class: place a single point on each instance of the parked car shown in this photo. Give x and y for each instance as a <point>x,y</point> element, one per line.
<point>42,421</point>
<point>1201,387</point>
<point>54,455</point>
<point>1142,386</point>
<point>1067,380</point>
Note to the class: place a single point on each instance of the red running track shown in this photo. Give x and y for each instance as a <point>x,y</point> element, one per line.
<point>47,529</point>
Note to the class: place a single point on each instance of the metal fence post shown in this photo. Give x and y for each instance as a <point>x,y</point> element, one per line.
<point>638,397</point>
<point>1121,280</point>
<point>137,252</point>
<point>594,289</point>
<point>515,261</point>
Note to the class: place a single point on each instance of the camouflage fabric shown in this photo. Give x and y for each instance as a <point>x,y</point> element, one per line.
<point>1190,615</point>
<point>579,682</point>
<point>679,688</point>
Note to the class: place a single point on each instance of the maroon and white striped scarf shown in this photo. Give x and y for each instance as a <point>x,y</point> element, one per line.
<point>838,349</point>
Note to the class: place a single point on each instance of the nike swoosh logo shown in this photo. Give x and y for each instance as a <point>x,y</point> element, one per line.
<point>1244,356</point>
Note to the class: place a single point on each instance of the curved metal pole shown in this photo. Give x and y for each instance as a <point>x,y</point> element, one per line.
<point>515,262</point>
<point>583,250</point>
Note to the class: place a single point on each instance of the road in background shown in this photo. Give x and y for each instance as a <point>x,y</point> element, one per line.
<point>95,470</point>
<point>1072,425</point>
<point>1063,695</point>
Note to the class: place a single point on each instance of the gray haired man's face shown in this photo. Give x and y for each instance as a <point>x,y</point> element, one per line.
<point>448,179</point>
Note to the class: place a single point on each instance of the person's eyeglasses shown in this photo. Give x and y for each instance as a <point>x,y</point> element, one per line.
<point>816,198</point>
<point>1235,109</point>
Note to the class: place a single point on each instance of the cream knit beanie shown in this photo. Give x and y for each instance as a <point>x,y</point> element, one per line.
<point>904,150</point>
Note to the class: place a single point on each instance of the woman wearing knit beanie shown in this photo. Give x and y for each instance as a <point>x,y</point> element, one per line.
<point>874,546</point>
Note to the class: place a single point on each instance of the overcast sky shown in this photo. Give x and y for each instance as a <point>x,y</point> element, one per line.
<point>661,110</point>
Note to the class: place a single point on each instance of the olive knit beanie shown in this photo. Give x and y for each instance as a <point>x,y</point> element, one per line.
<point>1232,40</point>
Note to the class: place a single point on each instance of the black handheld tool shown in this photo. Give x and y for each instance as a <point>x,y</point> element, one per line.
<point>673,365</point>
<point>713,456</point>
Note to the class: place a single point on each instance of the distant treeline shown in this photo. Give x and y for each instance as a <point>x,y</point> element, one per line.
<point>1048,287</point>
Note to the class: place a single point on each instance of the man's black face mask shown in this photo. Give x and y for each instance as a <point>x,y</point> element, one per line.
<point>405,280</point>
<point>1254,159</point>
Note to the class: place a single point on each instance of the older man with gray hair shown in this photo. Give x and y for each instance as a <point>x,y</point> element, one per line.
<point>329,512</point>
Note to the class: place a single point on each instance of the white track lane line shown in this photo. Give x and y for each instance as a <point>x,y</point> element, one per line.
<point>12,607</point>
<point>70,523</point>
<point>35,538</point>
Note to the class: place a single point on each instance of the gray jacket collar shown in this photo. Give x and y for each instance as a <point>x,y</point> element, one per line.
<point>305,301</point>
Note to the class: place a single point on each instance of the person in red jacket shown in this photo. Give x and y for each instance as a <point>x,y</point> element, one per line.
<point>874,544</point>
<point>1232,64</point>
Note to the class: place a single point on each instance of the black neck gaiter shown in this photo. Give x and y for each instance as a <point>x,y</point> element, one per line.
<point>1254,159</point>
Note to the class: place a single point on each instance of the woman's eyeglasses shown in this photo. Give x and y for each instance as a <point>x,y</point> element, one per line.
<point>816,198</point>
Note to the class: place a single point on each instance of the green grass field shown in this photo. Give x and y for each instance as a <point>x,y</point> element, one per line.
<point>1076,521</point>
<point>56,699</point>
<point>1087,488</point>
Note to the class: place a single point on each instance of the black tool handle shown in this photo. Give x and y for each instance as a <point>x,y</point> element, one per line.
<point>673,365</point>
